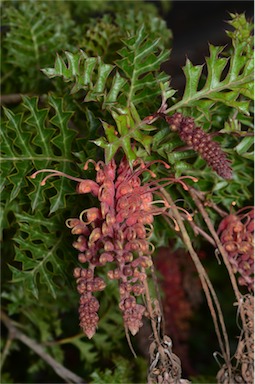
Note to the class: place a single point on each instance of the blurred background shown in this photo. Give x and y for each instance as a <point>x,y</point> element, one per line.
<point>194,24</point>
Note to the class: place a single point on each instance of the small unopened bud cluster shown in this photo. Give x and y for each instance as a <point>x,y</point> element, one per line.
<point>201,142</point>
<point>117,233</point>
<point>237,236</point>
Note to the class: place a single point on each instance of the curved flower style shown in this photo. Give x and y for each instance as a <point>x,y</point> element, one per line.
<point>237,235</point>
<point>117,232</point>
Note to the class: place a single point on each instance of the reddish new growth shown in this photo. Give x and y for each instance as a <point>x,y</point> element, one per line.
<point>201,142</point>
<point>237,233</point>
<point>117,232</point>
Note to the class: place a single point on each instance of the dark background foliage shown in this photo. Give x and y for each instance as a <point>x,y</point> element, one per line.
<point>193,25</point>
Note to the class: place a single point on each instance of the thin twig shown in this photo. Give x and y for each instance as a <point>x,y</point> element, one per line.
<point>216,208</point>
<point>150,310</point>
<point>206,284</point>
<point>61,371</point>
<point>157,290</point>
<point>194,195</point>
<point>197,230</point>
<point>211,204</point>
<point>64,341</point>
<point>6,350</point>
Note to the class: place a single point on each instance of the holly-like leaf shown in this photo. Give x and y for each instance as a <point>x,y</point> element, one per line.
<point>128,131</point>
<point>88,73</point>
<point>37,249</point>
<point>140,63</point>
<point>134,79</point>
<point>228,78</point>
<point>27,144</point>
<point>32,38</point>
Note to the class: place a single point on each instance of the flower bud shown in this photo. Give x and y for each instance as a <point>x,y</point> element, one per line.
<point>105,258</point>
<point>77,272</point>
<point>87,186</point>
<point>127,271</point>
<point>95,235</point>
<point>82,258</point>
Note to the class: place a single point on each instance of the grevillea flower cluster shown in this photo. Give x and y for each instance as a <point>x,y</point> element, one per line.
<point>200,142</point>
<point>237,236</point>
<point>115,233</point>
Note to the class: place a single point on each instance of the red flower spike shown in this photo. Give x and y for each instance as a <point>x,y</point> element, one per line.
<point>116,232</point>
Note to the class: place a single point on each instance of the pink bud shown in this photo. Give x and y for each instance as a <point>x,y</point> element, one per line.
<point>77,272</point>
<point>87,186</point>
<point>95,235</point>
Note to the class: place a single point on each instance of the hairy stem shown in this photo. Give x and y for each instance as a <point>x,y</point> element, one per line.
<point>61,371</point>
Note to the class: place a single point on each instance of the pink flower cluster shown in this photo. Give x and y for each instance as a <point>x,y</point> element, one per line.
<point>237,235</point>
<point>117,232</point>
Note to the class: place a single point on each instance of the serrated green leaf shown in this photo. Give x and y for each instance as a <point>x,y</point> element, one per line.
<point>27,144</point>
<point>137,80</point>
<point>32,39</point>
<point>117,85</point>
<point>88,73</point>
<point>140,63</point>
<point>37,253</point>
<point>86,350</point>
<point>192,74</point>
<point>228,79</point>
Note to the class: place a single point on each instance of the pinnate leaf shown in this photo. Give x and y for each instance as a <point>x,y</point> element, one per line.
<point>140,63</point>
<point>228,76</point>
<point>88,73</point>
<point>36,250</point>
<point>129,129</point>
<point>134,78</point>
<point>33,140</point>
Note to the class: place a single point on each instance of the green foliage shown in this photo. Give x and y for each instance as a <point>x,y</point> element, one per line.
<point>38,252</point>
<point>106,79</point>
<point>27,143</point>
<point>88,73</point>
<point>228,78</point>
<point>136,75</point>
<point>140,65</point>
<point>120,374</point>
<point>32,40</point>
<point>129,127</point>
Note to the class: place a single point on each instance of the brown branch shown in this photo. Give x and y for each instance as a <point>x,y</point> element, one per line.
<point>61,371</point>
<point>14,98</point>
